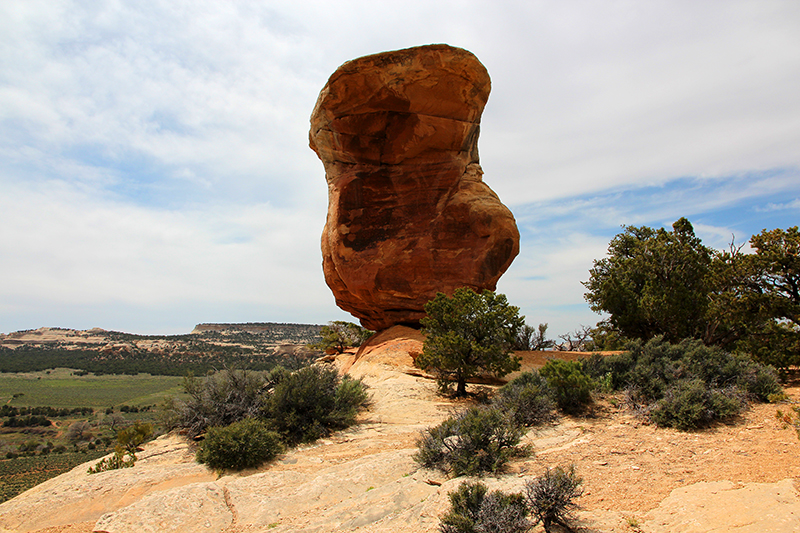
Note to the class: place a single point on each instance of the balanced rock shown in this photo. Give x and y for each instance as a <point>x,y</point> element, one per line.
<point>408,212</point>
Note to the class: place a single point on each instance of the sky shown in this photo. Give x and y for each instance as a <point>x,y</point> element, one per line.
<point>155,170</point>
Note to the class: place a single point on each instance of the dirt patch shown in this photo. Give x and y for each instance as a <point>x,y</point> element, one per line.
<point>631,466</point>
<point>84,527</point>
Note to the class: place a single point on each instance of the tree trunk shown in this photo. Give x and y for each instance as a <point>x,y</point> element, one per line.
<point>461,388</point>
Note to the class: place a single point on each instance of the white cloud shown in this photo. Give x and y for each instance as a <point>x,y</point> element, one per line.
<point>216,91</point>
<point>641,93</point>
<point>154,157</point>
<point>66,247</point>
<point>792,205</point>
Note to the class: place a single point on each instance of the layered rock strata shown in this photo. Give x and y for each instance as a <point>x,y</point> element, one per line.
<point>408,212</point>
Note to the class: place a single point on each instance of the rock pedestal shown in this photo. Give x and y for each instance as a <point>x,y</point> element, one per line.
<point>408,212</point>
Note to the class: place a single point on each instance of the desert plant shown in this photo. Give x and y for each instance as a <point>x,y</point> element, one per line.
<point>550,496</point>
<point>473,510</point>
<point>687,384</point>
<point>247,443</point>
<point>313,401</point>
<point>468,334</point>
<point>30,445</point>
<point>653,366</point>
<point>128,442</point>
<point>134,436</point>
<point>528,399</point>
<point>115,462</point>
<point>340,335</point>
<point>690,404</point>
<point>475,441</point>
<point>572,388</point>
<point>218,400</point>
<point>298,406</point>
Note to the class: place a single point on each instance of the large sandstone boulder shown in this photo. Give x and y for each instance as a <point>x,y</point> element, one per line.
<point>408,212</point>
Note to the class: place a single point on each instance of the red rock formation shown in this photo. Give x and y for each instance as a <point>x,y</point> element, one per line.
<point>408,213</point>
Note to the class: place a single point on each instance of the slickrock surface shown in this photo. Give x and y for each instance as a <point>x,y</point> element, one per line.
<point>637,478</point>
<point>719,506</point>
<point>408,212</point>
<point>77,497</point>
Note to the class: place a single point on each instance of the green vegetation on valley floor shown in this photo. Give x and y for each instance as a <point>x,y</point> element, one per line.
<point>31,455</point>
<point>62,388</point>
<point>23,473</point>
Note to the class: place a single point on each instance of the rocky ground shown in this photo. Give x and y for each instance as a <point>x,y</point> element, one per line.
<point>637,478</point>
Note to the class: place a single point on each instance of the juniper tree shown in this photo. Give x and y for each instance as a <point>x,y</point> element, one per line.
<point>468,334</point>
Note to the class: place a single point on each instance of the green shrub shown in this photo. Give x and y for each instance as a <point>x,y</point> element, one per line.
<point>550,496</point>
<point>128,442</point>
<point>296,407</point>
<point>648,369</point>
<point>247,443</point>
<point>760,381</point>
<point>652,367</point>
<point>478,440</point>
<point>134,436</point>
<point>314,401</point>
<point>115,462</point>
<point>687,385</point>
<point>472,510</point>
<point>218,400</point>
<point>29,446</point>
<point>572,388</point>
<point>690,404</point>
<point>351,398</point>
<point>528,399</point>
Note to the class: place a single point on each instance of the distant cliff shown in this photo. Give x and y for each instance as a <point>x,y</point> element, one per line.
<point>256,327</point>
<point>284,333</point>
<point>254,346</point>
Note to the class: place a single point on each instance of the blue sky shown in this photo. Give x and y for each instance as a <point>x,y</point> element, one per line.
<point>155,170</point>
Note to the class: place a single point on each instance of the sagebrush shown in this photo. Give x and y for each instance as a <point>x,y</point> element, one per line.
<point>475,510</point>
<point>528,399</point>
<point>685,385</point>
<point>294,407</point>
<point>244,444</point>
<point>478,440</point>
<point>312,402</point>
<point>549,499</point>
<point>551,496</point>
<point>218,400</point>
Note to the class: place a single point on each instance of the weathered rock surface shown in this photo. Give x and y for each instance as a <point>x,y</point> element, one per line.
<point>408,212</point>
<point>196,507</point>
<point>77,497</point>
<point>725,506</point>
